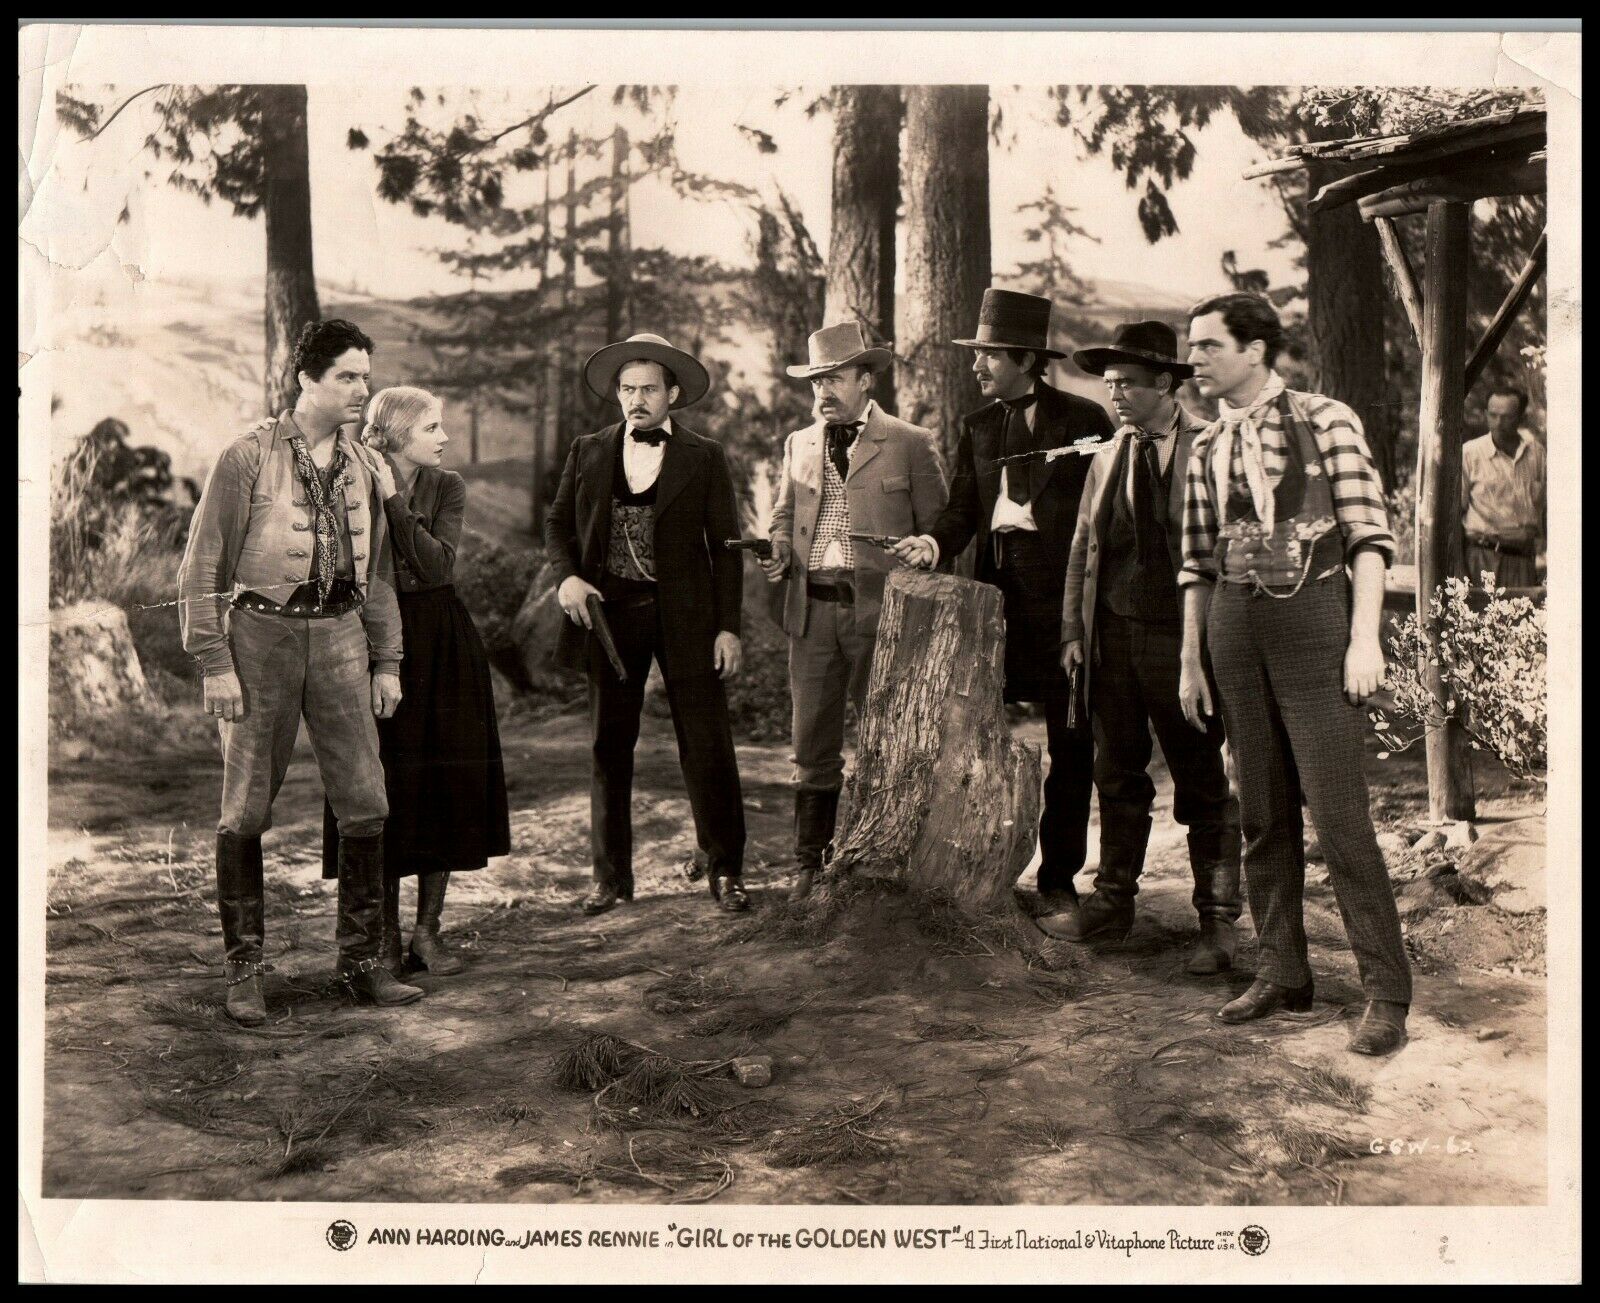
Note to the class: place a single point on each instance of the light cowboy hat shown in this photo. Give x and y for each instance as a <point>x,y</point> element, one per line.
<point>1146,343</point>
<point>1010,319</point>
<point>600,371</point>
<point>838,346</point>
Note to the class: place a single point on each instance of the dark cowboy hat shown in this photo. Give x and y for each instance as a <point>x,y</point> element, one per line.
<point>600,371</point>
<point>1008,319</point>
<point>1145,343</point>
<point>845,344</point>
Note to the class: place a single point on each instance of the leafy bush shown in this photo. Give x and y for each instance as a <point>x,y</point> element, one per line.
<point>491,582</point>
<point>1491,658</point>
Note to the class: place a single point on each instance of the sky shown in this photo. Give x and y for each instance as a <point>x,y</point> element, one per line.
<point>388,251</point>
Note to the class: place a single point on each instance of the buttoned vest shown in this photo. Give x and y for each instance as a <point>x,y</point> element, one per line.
<point>276,553</point>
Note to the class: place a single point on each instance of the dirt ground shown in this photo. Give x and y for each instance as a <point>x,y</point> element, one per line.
<point>915,1058</point>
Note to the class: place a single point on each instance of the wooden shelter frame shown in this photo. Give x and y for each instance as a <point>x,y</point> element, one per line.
<point>1439,172</point>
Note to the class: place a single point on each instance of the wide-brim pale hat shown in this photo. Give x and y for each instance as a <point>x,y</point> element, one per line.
<point>1147,343</point>
<point>838,346</point>
<point>600,371</point>
<point>1011,319</point>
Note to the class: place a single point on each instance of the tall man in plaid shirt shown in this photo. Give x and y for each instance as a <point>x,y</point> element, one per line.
<point>1286,541</point>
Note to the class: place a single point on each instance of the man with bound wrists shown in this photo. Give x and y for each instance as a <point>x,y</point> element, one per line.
<point>1286,540</point>
<point>290,527</point>
<point>1022,517</point>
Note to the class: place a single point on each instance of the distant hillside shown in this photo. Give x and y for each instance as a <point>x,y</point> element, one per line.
<point>180,362</point>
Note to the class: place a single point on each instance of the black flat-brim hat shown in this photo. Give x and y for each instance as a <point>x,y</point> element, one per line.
<point>1011,319</point>
<point>600,371</point>
<point>1142,343</point>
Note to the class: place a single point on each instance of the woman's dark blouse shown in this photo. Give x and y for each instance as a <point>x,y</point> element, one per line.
<point>426,531</point>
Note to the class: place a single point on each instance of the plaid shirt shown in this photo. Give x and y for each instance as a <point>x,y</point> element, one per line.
<point>1352,478</point>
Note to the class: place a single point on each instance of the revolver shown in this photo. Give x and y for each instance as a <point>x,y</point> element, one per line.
<point>762,547</point>
<point>1084,447</point>
<point>885,541</point>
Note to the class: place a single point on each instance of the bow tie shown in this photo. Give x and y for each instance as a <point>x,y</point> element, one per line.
<point>846,431</point>
<point>655,438</point>
<point>840,437</point>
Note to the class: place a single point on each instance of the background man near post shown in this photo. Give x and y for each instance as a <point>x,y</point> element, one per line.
<point>291,526</point>
<point>856,469</point>
<point>639,521</point>
<point>1122,623</point>
<point>1282,496</point>
<point>1022,517</point>
<point>1503,496</point>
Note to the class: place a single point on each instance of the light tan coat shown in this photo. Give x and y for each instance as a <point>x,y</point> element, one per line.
<point>896,486</point>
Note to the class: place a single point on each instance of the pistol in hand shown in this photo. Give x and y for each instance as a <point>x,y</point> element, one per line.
<point>885,541</point>
<point>762,547</point>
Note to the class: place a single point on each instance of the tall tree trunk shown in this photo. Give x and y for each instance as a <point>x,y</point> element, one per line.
<point>1344,283</point>
<point>618,273</point>
<point>1440,546</point>
<point>569,396</point>
<point>291,281</point>
<point>946,189</point>
<point>866,199</point>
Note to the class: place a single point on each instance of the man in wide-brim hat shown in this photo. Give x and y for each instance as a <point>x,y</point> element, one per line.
<point>854,469</point>
<point>639,521</point>
<point>1122,626</point>
<point>1022,517</point>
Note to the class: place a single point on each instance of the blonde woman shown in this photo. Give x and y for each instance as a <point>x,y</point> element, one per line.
<point>441,751</point>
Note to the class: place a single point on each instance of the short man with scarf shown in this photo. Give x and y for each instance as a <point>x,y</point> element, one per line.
<point>1286,541</point>
<point>856,469</point>
<point>1122,629</point>
<point>289,607</point>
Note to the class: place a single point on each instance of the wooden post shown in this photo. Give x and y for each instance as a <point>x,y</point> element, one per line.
<point>1405,280</point>
<point>1439,430</point>
<point>1515,298</point>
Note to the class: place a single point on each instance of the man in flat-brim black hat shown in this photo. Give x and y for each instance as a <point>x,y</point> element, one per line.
<point>1122,623</point>
<point>639,521</point>
<point>1022,517</point>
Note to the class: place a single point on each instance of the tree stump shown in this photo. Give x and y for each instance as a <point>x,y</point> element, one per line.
<point>94,668</point>
<point>942,798</point>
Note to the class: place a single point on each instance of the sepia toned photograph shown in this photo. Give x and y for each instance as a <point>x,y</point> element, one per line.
<point>807,642</point>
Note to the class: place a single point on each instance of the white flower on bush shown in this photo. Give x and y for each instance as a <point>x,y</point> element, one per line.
<point>1491,660</point>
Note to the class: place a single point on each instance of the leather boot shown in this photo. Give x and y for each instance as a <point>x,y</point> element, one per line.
<point>1266,997</point>
<point>1382,1028</point>
<point>427,950</point>
<point>814,815</point>
<point>360,924</point>
<point>241,907</point>
<point>1214,860</point>
<point>1107,915</point>
<point>389,938</point>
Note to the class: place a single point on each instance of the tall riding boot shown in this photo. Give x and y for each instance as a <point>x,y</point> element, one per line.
<point>1214,859</point>
<point>360,927</point>
<point>427,950</point>
<point>389,944</point>
<point>814,815</point>
<point>240,904</point>
<point>1107,915</point>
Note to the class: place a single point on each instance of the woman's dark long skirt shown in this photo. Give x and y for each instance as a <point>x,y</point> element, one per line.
<point>441,749</point>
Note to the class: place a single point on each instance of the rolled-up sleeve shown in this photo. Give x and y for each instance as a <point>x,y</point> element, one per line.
<point>216,534</point>
<point>1199,518</point>
<point>1353,480</point>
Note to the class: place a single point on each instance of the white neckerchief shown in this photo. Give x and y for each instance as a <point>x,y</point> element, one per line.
<point>1243,423</point>
<point>641,462</point>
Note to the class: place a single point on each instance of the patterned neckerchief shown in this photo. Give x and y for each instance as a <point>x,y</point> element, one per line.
<point>324,518</point>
